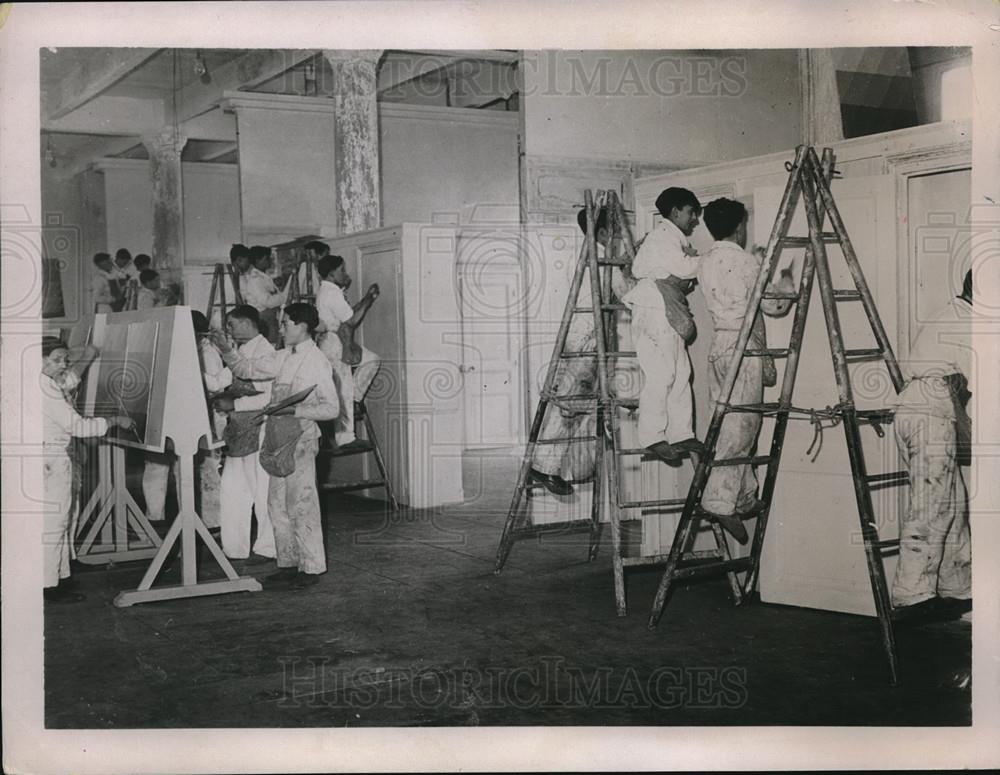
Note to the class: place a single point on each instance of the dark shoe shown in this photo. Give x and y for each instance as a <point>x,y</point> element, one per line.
<point>960,679</point>
<point>257,559</point>
<point>732,524</point>
<point>752,509</point>
<point>952,608</point>
<point>281,578</point>
<point>688,447</point>
<point>664,451</point>
<point>554,484</point>
<point>61,595</point>
<point>303,580</point>
<point>352,445</point>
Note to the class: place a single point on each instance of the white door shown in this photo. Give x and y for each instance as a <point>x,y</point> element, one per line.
<point>814,555</point>
<point>490,289</point>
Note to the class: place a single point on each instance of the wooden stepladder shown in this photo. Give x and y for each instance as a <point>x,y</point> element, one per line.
<point>809,179</point>
<point>217,296</point>
<point>609,454</point>
<point>367,446</point>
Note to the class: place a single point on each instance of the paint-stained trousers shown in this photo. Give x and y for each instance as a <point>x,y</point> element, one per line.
<point>293,504</point>
<point>935,556</point>
<point>245,486</point>
<point>156,473</point>
<point>666,406</point>
<point>58,480</point>
<point>575,376</point>
<point>732,489</point>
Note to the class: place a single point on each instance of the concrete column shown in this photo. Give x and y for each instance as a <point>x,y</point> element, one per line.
<point>356,139</point>
<point>168,207</point>
<point>821,119</point>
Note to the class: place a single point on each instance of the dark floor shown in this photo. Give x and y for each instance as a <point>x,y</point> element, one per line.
<point>411,627</point>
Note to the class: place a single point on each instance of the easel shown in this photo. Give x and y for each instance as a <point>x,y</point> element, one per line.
<point>116,511</point>
<point>177,408</point>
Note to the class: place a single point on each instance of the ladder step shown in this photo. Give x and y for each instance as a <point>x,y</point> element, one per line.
<point>671,502</point>
<point>369,484</point>
<point>659,559</point>
<point>758,460</point>
<point>605,307</point>
<point>626,403</point>
<point>741,564</point>
<point>804,242</point>
<point>773,352</point>
<point>593,354</point>
<point>890,543</point>
<point>860,356</point>
<point>783,295</point>
<point>764,408</point>
<point>893,479</point>
<point>566,439</point>
<point>554,527</point>
<point>847,295</point>
<point>882,416</point>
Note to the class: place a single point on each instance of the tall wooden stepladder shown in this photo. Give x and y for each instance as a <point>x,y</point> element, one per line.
<point>809,179</point>
<point>217,295</point>
<point>607,490</point>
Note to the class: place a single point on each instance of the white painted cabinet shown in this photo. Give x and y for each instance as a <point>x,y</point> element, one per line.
<point>416,402</point>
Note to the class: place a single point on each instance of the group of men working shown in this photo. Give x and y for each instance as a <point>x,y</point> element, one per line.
<point>934,565</point>
<point>116,281</point>
<point>269,470</point>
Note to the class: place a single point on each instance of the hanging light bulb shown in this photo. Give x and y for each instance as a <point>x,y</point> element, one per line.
<point>309,77</point>
<point>50,156</point>
<point>201,68</point>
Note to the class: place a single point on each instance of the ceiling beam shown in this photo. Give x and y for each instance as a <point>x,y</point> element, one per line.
<point>217,153</point>
<point>95,72</point>
<point>250,70</point>
<point>197,98</point>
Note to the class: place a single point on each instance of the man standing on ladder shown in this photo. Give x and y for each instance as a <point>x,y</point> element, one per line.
<point>338,321</point>
<point>934,550</point>
<point>727,275</point>
<point>555,465</point>
<point>662,327</point>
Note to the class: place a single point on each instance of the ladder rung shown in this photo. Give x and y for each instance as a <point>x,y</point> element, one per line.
<point>890,543</point>
<point>893,479</point>
<point>605,307</point>
<point>847,295</point>
<point>804,242</point>
<point>881,416</point>
<point>741,564</point>
<point>659,559</point>
<point>783,295</point>
<point>566,439</point>
<point>593,354</point>
<point>554,527</point>
<point>773,352</point>
<point>627,403</point>
<point>578,397</point>
<point>613,262</point>
<point>765,407</point>
<point>759,460</point>
<point>369,484</point>
<point>860,356</point>
<point>672,502</point>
